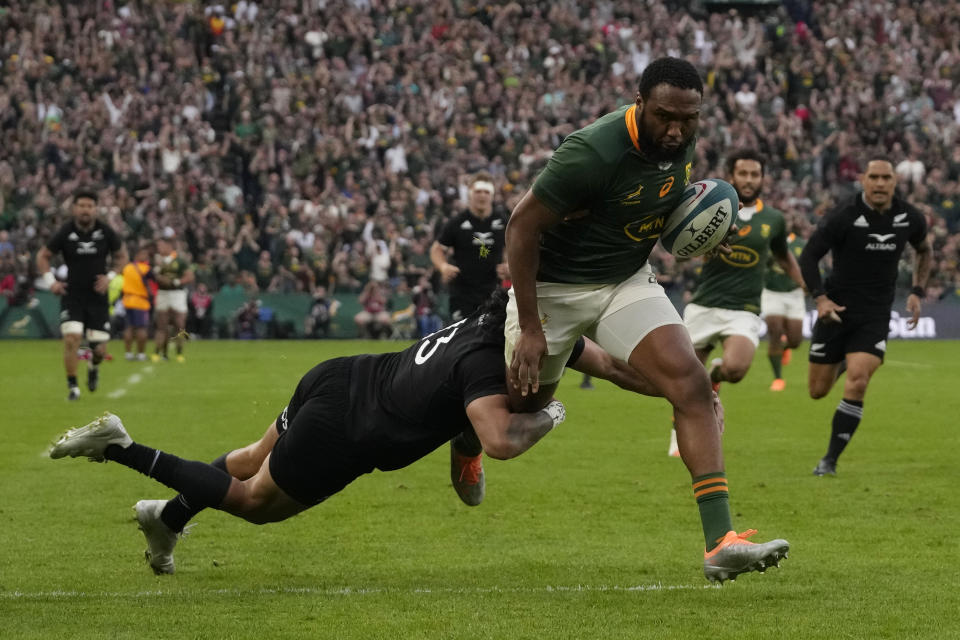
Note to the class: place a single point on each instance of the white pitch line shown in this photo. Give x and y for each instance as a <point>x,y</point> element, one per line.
<point>134,378</point>
<point>905,363</point>
<point>344,591</point>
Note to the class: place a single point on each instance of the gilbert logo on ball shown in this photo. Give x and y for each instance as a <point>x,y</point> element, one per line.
<point>702,219</point>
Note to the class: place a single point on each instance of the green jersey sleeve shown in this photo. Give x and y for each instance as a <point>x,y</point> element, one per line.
<point>572,179</point>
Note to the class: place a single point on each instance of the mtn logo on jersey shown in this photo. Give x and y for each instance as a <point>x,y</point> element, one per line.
<point>861,222</point>
<point>882,243</point>
<point>816,348</point>
<point>900,220</point>
<point>741,256</point>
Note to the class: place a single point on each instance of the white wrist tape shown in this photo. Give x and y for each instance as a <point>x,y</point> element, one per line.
<point>48,279</point>
<point>556,412</point>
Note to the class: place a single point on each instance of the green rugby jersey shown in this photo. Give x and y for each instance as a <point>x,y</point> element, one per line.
<point>613,201</point>
<point>777,280</point>
<point>172,266</point>
<point>735,281</point>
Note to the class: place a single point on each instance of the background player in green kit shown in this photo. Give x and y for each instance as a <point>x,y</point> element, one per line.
<point>577,245</point>
<point>725,306</point>
<point>782,307</point>
<point>173,274</point>
<point>726,303</point>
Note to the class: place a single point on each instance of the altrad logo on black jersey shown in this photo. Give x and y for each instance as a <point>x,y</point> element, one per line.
<point>882,242</point>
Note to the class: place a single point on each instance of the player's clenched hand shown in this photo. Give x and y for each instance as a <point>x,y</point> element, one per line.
<point>828,310</point>
<point>58,288</point>
<point>724,247</point>
<point>527,357</point>
<point>913,308</point>
<point>101,283</point>
<point>449,272</point>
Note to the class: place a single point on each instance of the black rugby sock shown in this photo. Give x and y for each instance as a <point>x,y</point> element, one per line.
<point>467,444</point>
<point>846,419</point>
<point>178,511</point>
<point>71,381</point>
<point>202,484</point>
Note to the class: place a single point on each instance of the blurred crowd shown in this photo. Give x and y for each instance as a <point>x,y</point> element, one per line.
<point>297,144</point>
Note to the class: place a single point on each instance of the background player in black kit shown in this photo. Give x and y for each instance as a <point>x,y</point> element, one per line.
<point>473,242</point>
<point>866,238</point>
<point>468,255</point>
<point>86,244</point>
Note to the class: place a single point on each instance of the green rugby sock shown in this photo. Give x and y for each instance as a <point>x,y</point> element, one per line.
<point>713,499</point>
<point>777,363</point>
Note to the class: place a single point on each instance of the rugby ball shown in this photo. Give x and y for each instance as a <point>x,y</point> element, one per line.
<point>702,220</point>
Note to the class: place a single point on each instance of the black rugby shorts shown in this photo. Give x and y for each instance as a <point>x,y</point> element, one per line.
<point>314,457</point>
<point>832,341</point>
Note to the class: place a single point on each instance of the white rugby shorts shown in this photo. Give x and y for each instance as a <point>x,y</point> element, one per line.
<point>171,300</point>
<point>709,325</point>
<point>617,317</point>
<point>789,304</point>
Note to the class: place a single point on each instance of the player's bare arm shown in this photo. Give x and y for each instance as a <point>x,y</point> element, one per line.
<point>789,264</point>
<point>921,272</point>
<point>529,220</point>
<point>43,268</point>
<point>438,256</point>
<point>596,362</point>
<point>504,434</point>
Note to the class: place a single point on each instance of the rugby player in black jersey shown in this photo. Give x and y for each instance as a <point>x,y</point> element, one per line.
<point>86,244</point>
<point>347,417</point>
<point>866,237</point>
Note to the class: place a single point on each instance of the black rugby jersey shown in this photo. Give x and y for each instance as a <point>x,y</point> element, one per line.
<point>866,248</point>
<point>85,253</point>
<point>404,405</point>
<point>477,245</point>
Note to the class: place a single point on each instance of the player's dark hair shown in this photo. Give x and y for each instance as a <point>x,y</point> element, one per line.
<point>878,157</point>
<point>85,192</point>
<point>493,314</point>
<point>744,154</point>
<point>672,71</point>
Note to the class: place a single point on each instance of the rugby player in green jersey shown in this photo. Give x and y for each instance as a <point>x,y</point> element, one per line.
<point>174,273</point>
<point>782,307</point>
<point>577,245</point>
<point>726,303</point>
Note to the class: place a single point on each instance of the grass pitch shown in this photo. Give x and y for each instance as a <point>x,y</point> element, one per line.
<point>593,533</point>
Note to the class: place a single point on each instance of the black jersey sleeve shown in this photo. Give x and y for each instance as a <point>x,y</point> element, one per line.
<point>481,373</point>
<point>828,233</point>
<point>448,234</point>
<point>918,228</point>
<point>55,244</point>
<point>113,238</point>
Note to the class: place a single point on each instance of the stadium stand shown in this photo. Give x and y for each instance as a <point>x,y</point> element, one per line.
<point>266,135</point>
